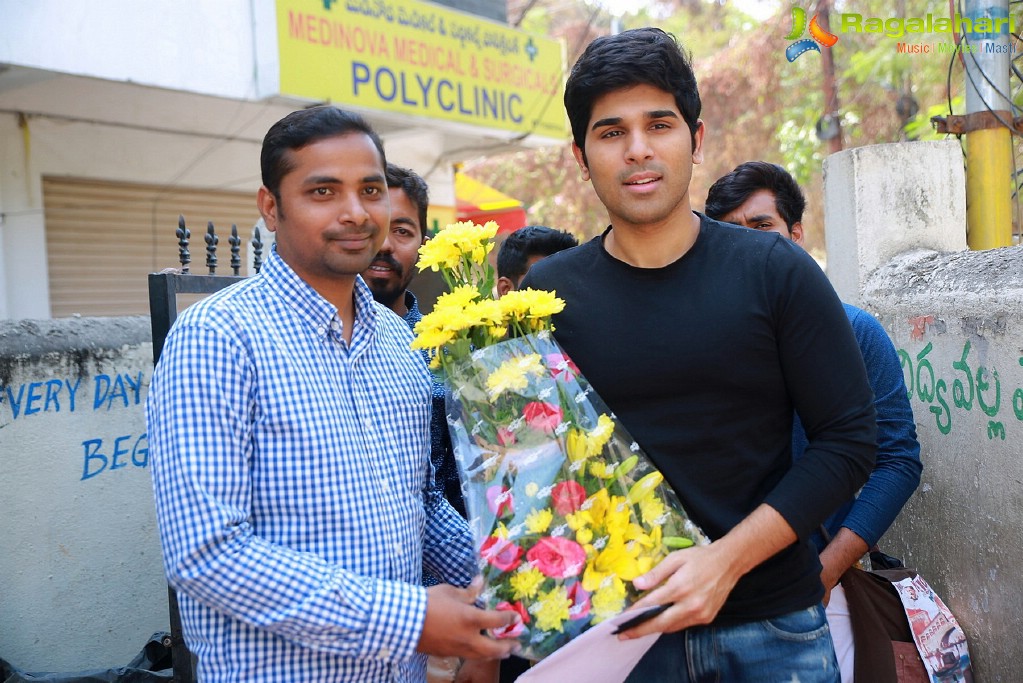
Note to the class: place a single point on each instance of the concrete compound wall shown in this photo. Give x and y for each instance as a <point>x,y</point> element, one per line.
<point>956,318</point>
<point>81,577</point>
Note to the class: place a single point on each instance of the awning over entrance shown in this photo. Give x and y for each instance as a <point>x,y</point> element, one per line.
<point>479,203</point>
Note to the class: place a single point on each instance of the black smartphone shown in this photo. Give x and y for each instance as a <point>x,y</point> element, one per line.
<point>645,615</point>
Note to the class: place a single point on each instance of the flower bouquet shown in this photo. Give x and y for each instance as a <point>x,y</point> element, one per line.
<point>565,508</point>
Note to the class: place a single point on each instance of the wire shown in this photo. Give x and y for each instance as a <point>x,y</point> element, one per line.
<point>1009,126</point>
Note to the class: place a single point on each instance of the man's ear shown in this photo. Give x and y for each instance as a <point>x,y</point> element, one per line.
<point>698,142</point>
<point>580,158</point>
<point>796,233</point>
<point>504,285</point>
<point>267,205</point>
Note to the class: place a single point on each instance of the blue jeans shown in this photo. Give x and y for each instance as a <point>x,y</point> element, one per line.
<point>792,648</point>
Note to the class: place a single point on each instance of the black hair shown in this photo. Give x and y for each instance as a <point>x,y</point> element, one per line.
<point>304,127</point>
<point>532,240</point>
<point>414,187</point>
<point>642,56</point>
<point>732,189</point>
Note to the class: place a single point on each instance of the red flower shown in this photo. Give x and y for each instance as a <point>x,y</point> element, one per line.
<point>580,608</point>
<point>505,436</point>
<point>561,366</point>
<point>516,629</point>
<point>499,500</point>
<point>567,497</point>
<point>501,553</point>
<point>542,416</point>
<point>556,557</point>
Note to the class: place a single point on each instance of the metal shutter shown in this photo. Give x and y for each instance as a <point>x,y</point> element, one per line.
<point>103,239</point>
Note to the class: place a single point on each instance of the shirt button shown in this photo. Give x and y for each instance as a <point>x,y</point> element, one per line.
<point>321,330</point>
<point>385,653</point>
<point>397,549</point>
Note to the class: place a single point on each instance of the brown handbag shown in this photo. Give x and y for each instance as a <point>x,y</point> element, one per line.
<point>885,650</point>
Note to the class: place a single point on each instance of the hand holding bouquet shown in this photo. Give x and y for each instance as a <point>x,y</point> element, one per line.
<point>565,507</point>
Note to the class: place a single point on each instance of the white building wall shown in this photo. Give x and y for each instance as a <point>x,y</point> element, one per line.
<point>188,45</point>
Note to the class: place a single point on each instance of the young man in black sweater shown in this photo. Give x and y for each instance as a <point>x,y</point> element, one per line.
<point>703,339</point>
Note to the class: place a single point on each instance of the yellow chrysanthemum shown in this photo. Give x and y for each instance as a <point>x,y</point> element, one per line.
<point>601,470</point>
<point>526,582</point>
<point>431,339</point>
<point>458,298</point>
<point>437,253</point>
<point>601,434</point>
<point>484,313</point>
<point>513,374</point>
<point>608,600</point>
<point>551,609</point>
<point>458,241</point>
<point>531,309</point>
<point>586,444</point>
<point>651,509</point>
<point>537,521</point>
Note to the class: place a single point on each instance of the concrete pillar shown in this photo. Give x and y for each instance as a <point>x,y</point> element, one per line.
<point>882,200</point>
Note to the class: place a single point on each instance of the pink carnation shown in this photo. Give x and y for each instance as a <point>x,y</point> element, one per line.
<point>505,436</point>
<point>516,629</point>
<point>499,500</point>
<point>542,416</point>
<point>580,608</point>
<point>501,553</point>
<point>567,497</point>
<point>561,366</point>
<point>556,557</point>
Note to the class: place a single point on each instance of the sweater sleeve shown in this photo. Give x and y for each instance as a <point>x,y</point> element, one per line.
<point>827,382</point>
<point>897,471</point>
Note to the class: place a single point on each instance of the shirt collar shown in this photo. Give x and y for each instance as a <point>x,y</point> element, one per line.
<point>307,302</point>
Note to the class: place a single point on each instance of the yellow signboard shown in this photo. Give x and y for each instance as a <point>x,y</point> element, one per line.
<point>416,58</point>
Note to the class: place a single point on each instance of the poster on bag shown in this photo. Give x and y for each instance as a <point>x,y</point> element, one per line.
<point>939,638</point>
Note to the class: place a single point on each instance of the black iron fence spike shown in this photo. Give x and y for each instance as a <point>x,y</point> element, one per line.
<point>236,257</point>
<point>211,248</point>
<point>183,234</point>
<point>257,251</point>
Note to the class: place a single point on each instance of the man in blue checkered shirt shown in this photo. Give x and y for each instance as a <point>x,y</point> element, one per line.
<point>289,432</point>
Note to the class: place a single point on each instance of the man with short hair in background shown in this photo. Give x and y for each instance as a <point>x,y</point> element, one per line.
<point>763,196</point>
<point>524,247</point>
<point>388,277</point>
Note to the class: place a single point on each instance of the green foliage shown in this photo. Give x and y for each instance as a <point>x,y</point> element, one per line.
<point>800,149</point>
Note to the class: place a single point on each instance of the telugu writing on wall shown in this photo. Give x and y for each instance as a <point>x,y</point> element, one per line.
<point>37,400</point>
<point>415,58</point>
<point>959,392</point>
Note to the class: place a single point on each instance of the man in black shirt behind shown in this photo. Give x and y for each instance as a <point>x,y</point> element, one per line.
<point>703,338</point>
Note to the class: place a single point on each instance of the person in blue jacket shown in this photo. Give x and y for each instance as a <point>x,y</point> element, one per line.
<point>763,196</point>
